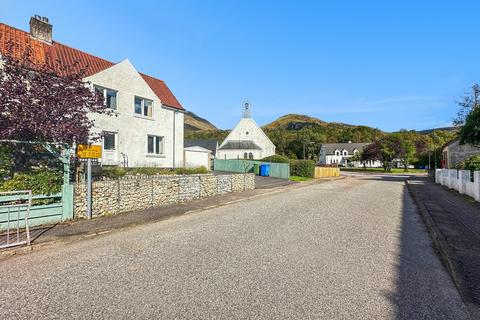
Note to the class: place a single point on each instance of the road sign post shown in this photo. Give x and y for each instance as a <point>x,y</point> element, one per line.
<point>89,188</point>
<point>89,152</point>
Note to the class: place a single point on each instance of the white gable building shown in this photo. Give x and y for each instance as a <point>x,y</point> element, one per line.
<point>246,141</point>
<point>143,132</point>
<point>147,126</point>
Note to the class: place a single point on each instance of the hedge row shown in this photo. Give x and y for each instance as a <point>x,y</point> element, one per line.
<point>302,168</point>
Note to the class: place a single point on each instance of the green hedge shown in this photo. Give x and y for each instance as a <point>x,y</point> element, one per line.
<point>118,172</point>
<point>302,168</point>
<point>41,182</point>
<point>472,163</point>
<point>276,159</point>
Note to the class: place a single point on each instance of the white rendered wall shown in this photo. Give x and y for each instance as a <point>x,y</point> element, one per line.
<point>194,159</point>
<point>132,129</point>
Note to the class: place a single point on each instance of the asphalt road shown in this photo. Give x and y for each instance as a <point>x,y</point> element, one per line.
<point>349,249</point>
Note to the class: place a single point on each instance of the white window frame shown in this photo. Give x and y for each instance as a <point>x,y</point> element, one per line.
<point>337,152</point>
<point>104,91</point>
<point>161,145</point>
<point>141,114</point>
<point>115,137</point>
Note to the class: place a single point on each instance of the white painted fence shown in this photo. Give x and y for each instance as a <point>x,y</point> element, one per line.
<point>460,180</point>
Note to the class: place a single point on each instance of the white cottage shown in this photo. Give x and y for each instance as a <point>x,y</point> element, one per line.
<point>147,126</point>
<point>246,141</point>
<point>340,154</point>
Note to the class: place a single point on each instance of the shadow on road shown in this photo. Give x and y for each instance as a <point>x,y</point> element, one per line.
<point>424,289</point>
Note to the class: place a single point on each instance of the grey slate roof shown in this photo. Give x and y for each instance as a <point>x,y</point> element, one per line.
<point>240,145</point>
<point>329,148</point>
<point>210,144</point>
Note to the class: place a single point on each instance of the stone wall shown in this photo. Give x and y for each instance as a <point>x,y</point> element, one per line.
<point>121,195</point>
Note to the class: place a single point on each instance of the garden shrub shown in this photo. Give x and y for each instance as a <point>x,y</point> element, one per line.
<point>41,182</point>
<point>118,172</point>
<point>198,170</point>
<point>472,163</point>
<point>302,168</point>
<point>111,172</point>
<point>276,159</point>
<point>149,171</point>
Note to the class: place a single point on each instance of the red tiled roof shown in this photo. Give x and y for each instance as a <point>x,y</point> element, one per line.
<point>44,52</point>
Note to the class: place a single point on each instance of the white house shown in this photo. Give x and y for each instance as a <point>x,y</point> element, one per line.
<point>147,126</point>
<point>341,153</point>
<point>246,141</point>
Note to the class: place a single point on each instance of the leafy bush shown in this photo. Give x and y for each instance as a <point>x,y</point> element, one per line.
<point>472,163</point>
<point>198,170</point>
<point>149,171</point>
<point>302,168</point>
<point>276,159</point>
<point>41,182</point>
<point>118,172</point>
<point>6,161</point>
<point>111,172</point>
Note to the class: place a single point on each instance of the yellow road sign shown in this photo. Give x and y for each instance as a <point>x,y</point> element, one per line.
<point>86,151</point>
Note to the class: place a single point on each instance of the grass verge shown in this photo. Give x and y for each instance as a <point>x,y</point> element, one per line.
<point>299,179</point>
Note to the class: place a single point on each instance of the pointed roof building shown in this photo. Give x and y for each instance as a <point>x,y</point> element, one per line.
<point>247,140</point>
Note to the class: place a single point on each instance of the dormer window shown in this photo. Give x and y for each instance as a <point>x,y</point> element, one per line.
<point>337,152</point>
<point>345,152</point>
<point>144,107</point>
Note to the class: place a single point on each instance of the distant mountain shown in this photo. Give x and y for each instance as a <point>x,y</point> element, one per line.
<point>292,122</point>
<point>192,122</point>
<point>428,131</point>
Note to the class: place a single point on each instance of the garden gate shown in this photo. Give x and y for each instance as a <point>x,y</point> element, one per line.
<point>44,209</point>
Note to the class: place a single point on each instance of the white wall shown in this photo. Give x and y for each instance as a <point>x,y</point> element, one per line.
<point>460,180</point>
<point>239,154</point>
<point>196,158</point>
<point>132,129</point>
<point>333,159</point>
<point>247,129</point>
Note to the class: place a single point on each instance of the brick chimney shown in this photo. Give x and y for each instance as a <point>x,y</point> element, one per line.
<point>40,29</point>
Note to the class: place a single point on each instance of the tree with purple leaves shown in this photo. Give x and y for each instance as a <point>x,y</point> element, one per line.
<point>42,102</point>
<point>45,102</point>
<point>394,146</point>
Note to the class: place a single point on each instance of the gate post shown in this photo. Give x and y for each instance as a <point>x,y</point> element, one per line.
<point>67,187</point>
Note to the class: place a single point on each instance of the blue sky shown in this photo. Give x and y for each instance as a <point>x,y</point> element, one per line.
<point>386,64</point>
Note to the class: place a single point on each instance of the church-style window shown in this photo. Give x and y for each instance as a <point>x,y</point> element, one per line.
<point>250,156</point>
<point>245,155</point>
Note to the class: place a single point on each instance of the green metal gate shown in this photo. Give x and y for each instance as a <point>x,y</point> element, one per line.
<point>59,206</point>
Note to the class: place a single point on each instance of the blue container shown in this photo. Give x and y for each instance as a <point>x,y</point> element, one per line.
<point>265,170</point>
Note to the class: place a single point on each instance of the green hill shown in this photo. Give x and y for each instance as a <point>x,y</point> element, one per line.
<point>192,122</point>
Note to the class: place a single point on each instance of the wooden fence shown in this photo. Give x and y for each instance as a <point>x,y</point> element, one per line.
<point>324,172</point>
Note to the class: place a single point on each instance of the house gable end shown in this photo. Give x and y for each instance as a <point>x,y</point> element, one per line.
<point>124,76</point>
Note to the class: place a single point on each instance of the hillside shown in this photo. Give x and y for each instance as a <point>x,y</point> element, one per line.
<point>192,122</point>
<point>299,121</point>
<point>294,122</point>
<point>289,133</point>
<point>428,131</point>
